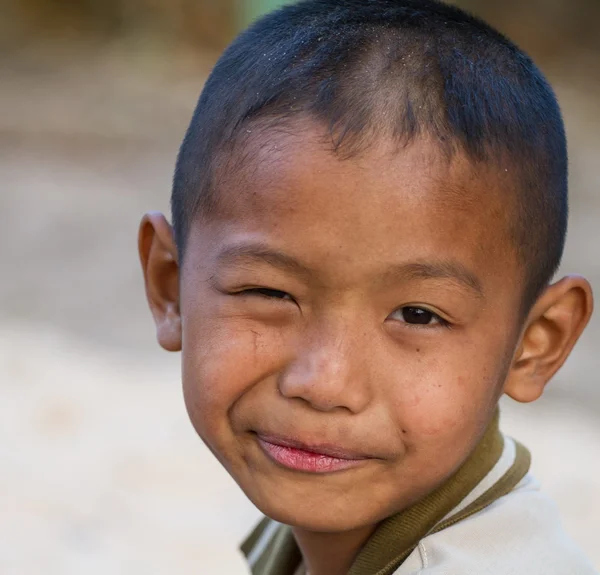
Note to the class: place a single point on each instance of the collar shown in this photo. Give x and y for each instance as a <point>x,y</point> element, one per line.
<point>271,548</point>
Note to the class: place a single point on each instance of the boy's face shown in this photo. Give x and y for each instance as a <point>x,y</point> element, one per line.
<point>348,325</point>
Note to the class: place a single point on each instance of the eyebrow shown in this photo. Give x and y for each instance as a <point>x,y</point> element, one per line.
<point>260,253</point>
<point>444,269</point>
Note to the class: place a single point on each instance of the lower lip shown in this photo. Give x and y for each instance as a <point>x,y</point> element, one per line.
<point>300,460</point>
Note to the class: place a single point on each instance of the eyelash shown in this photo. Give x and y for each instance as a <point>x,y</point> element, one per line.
<point>280,295</point>
<point>266,293</point>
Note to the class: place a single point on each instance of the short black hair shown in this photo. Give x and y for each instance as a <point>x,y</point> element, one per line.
<point>398,68</point>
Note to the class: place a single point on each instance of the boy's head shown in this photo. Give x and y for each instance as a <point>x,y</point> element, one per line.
<point>386,69</point>
<point>368,208</point>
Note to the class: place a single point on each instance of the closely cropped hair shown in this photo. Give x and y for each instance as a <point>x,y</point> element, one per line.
<point>398,69</point>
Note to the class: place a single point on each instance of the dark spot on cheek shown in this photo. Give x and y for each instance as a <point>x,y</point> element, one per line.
<point>418,350</point>
<point>404,431</point>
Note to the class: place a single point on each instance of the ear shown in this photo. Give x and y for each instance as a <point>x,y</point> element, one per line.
<point>158,255</point>
<point>553,326</point>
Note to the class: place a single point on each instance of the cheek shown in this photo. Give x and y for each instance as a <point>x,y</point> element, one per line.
<point>222,360</point>
<point>448,397</point>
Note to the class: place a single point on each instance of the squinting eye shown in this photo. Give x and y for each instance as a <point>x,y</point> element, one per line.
<point>417,316</point>
<point>267,293</point>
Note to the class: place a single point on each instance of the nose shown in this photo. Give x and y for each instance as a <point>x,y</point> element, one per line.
<point>330,371</point>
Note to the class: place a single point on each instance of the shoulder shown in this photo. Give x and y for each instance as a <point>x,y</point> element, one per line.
<point>519,533</point>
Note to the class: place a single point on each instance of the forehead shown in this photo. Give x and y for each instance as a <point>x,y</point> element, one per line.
<point>383,205</point>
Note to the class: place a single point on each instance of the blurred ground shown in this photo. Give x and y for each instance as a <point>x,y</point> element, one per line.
<point>101,472</point>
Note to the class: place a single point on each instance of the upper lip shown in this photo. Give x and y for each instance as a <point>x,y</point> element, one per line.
<point>318,448</point>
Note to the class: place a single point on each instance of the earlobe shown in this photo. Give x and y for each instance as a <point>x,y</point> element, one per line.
<point>552,328</point>
<point>158,256</point>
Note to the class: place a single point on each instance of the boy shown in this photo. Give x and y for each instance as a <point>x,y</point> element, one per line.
<point>368,208</point>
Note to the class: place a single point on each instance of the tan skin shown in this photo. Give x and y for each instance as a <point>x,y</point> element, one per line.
<point>370,303</point>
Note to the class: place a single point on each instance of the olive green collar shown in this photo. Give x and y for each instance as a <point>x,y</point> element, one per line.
<point>396,537</point>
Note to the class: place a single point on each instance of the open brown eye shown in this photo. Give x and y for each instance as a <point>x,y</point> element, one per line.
<point>418,316</point>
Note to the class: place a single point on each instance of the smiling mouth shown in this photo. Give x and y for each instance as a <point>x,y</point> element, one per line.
<point>311,459</point>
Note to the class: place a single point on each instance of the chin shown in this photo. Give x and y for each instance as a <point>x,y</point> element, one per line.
<point>316,516</point>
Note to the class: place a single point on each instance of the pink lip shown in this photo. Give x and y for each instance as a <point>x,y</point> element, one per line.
<point>312,459</point>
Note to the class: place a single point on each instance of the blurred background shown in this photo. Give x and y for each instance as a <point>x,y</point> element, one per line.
<point>100,469</point>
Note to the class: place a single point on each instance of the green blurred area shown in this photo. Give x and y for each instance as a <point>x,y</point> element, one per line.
<point>250,10</point>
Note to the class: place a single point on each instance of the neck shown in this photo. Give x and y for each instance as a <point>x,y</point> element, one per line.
<point>331,553</point>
